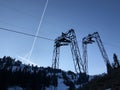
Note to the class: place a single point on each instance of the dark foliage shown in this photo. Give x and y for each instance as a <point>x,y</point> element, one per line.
<point>67,80</point>
<point>14,73</point>
<point>110,80</point>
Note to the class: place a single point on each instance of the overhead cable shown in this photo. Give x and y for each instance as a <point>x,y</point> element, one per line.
<point>23,33</point>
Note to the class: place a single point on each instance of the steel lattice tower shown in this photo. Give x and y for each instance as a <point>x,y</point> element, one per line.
<point>68,38</point>
<point>89,40</point>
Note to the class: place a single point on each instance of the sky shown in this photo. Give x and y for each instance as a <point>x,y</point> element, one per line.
<point>84,16</point>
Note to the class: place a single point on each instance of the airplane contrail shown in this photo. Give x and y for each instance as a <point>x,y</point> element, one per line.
<point>38,29</point>
<point>27,56</point>
<point>27,61</point>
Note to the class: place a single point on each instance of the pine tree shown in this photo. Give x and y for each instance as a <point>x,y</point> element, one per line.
<point>116,63</point>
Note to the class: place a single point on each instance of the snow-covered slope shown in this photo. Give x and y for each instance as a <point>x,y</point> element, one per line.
<point>15,88</point>
<point>17,76</point>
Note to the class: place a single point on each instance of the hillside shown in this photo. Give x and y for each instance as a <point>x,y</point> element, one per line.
<point>110,81</point>
<point>14,74</point>
<point>17,76</point>
<point>105,82</point>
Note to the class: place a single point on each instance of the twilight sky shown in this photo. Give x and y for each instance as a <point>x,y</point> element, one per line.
<point>84,16</point>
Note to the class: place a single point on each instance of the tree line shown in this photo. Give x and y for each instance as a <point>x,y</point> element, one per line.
<point>14,73</point>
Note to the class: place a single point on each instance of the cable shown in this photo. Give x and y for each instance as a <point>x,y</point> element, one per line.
<point>23,33</point>
<point>35,36</point>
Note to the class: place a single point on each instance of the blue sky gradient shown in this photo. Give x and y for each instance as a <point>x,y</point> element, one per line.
<point>84,16</point>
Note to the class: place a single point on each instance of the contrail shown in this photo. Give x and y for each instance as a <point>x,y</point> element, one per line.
<point>38,29</point>
<point>37,32</point>
<point>27,60</point>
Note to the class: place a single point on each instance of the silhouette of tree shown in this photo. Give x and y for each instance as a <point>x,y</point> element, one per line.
<point>116,63</point>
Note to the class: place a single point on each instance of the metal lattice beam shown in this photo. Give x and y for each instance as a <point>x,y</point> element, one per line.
<point>68,38</point>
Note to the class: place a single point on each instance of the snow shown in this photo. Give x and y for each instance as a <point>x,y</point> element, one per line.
<point>108,89</point>
<point>77,86</point>
<point>15,88</point>
<point>14,68</point>
<point>48,74</point>
<point>22,66</point>
<point>61,85</point>
<point>60,75</point>
<point>91,77</point>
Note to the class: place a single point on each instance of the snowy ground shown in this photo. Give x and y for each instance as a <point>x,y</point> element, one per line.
<point>15,88</point>
<point>61,86</point>
<point>108,89</point>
